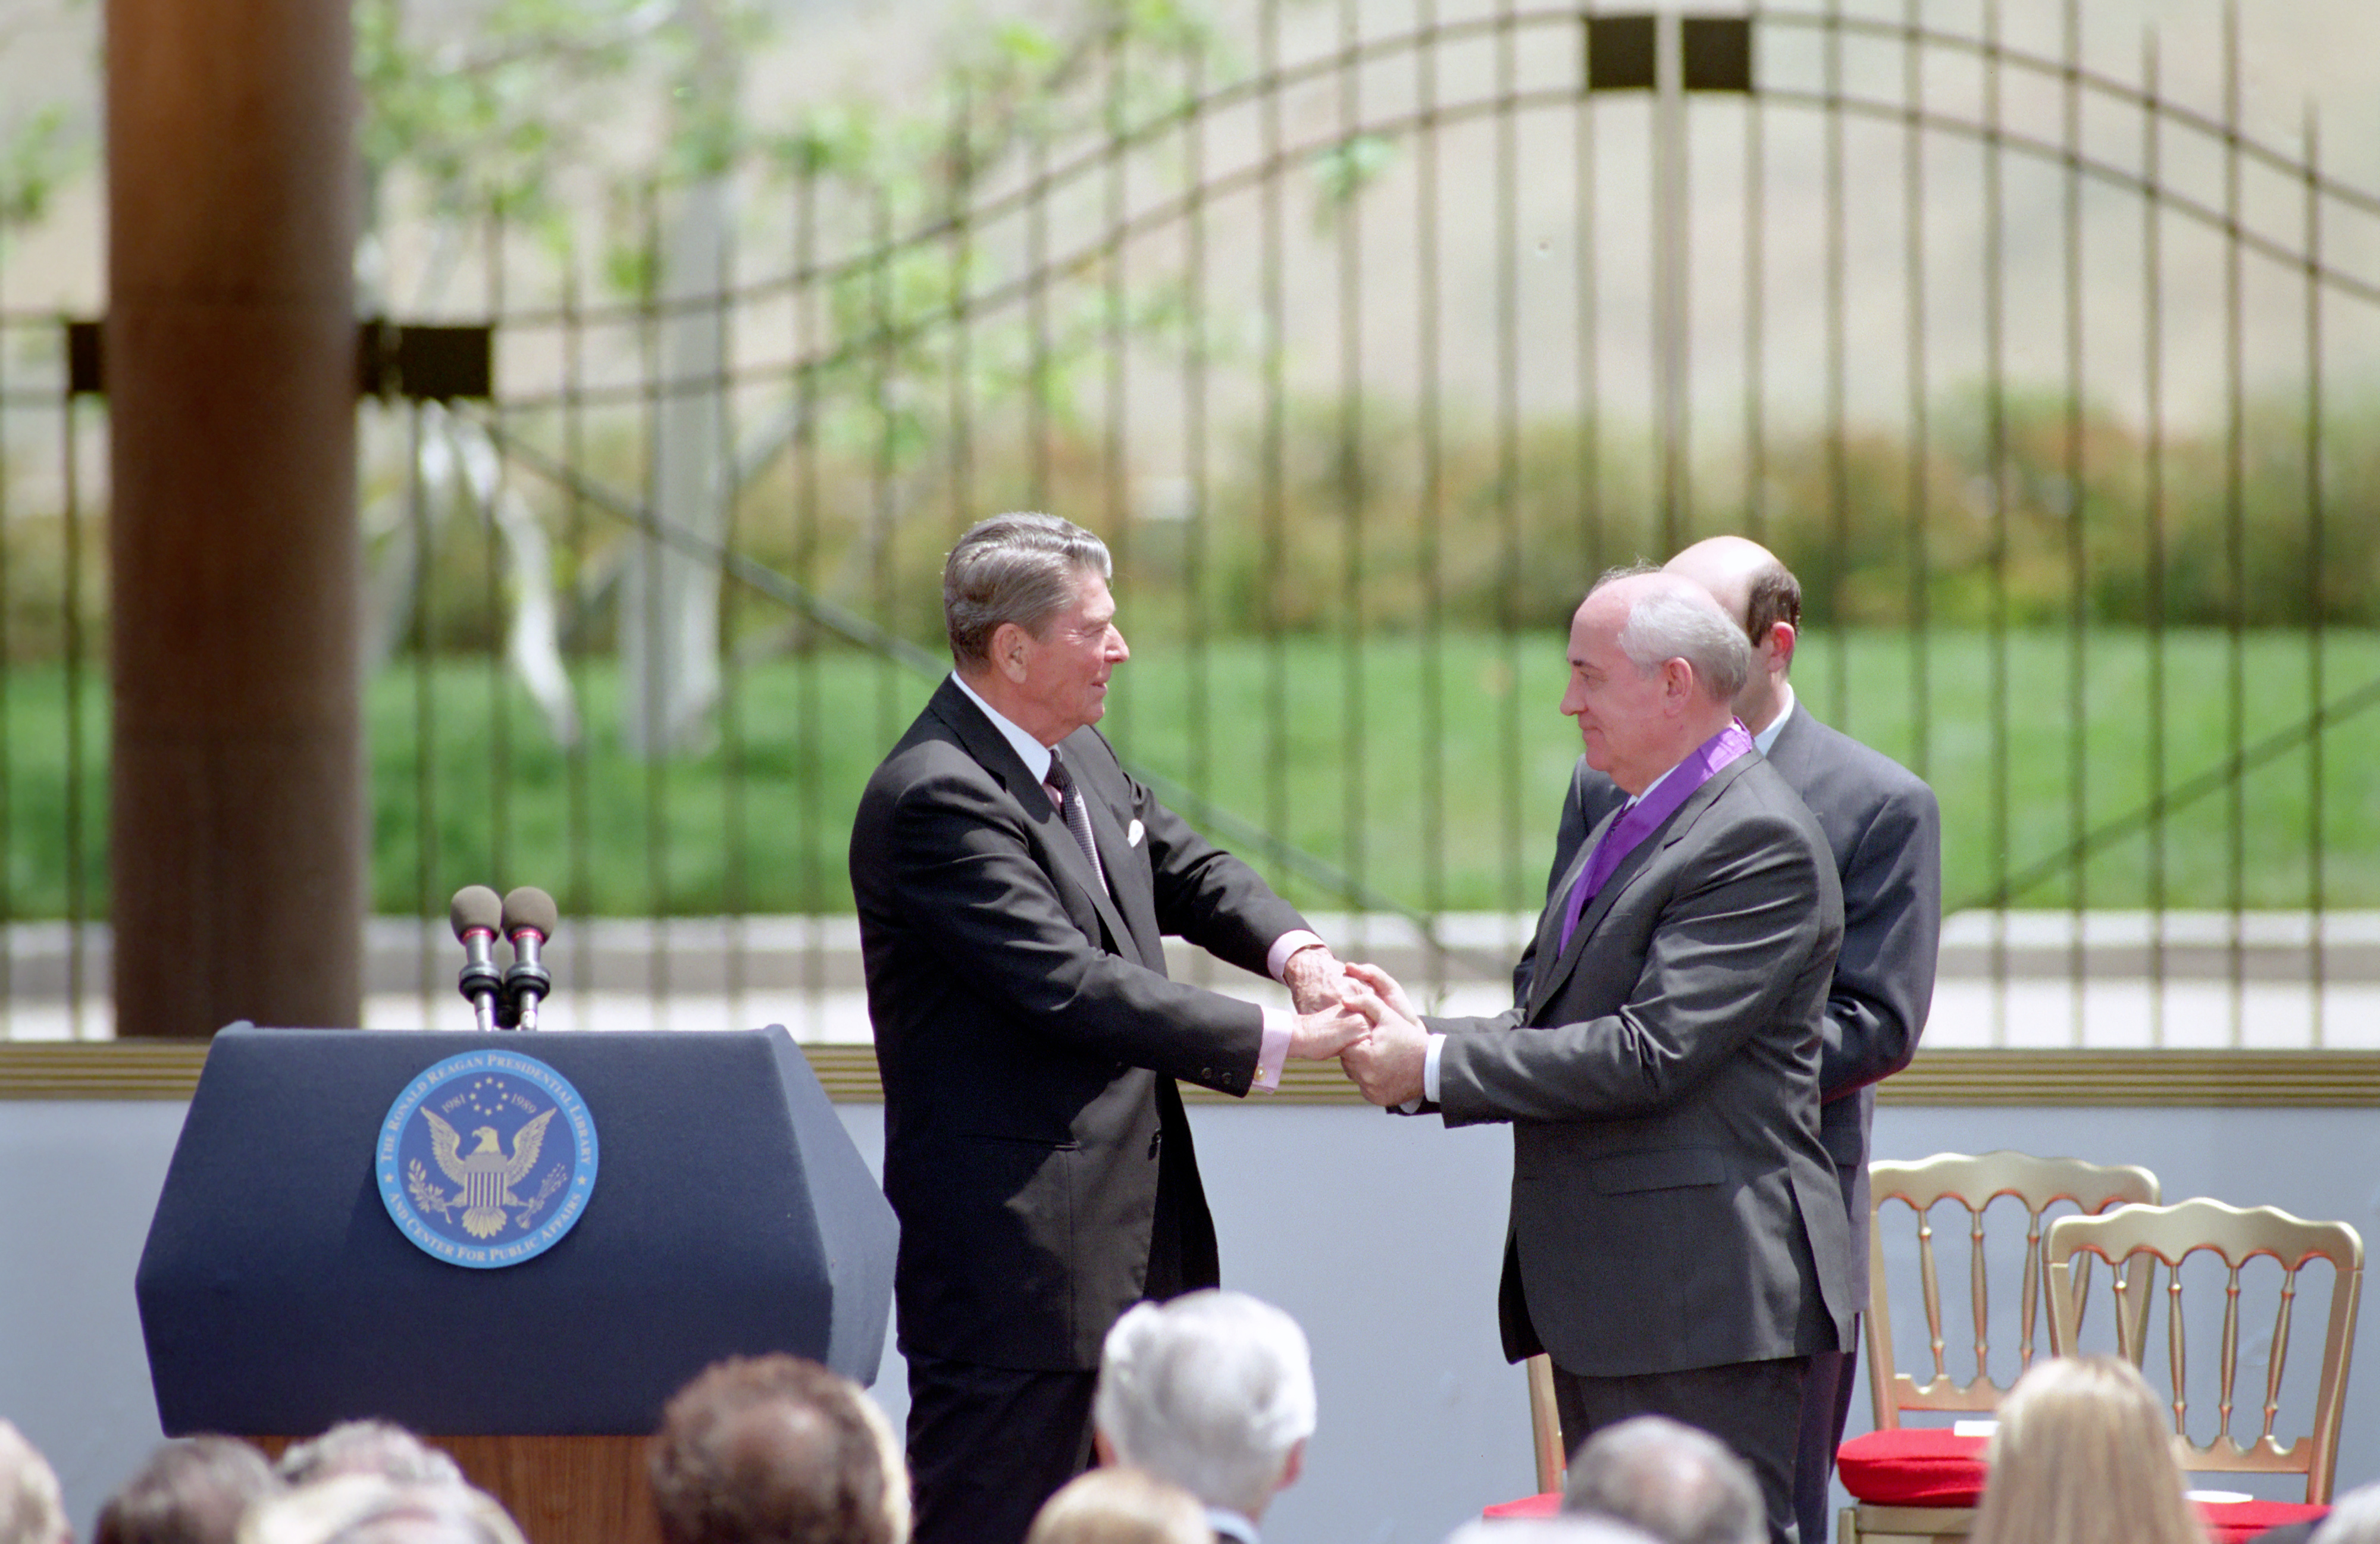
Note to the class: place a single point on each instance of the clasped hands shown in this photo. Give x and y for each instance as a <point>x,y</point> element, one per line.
<point>1358,1014</point>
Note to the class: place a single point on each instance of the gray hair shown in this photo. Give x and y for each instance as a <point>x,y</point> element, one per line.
<point>192,1490</point>
<point>1548,1530</point>
<point>30,1509</point>
<point>369,1448</point>
<point>2354,1520</point>
<point>1677,619</point>
<point>1024,568</point>
<point>1678,1484</point>
<point>373,1509</point>
<point>1211,1390</point>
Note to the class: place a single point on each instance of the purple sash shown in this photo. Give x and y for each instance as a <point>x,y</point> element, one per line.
<point>1641,817</point>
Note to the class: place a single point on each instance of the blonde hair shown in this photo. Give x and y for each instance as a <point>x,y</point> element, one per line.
<point>2084,1455</point>
<point>1121,1507</point>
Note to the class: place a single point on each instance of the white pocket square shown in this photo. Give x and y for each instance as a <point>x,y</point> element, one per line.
<point>1133,833</point>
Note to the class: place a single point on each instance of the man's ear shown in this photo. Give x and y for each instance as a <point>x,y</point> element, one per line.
<point>1104,1449</point>
<point>1009,647</point>
<point>1294,1467</point>
<point>1778,645</point>
<point>1677,683</point>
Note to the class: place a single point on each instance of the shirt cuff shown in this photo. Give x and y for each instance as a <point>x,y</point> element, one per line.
<point>1429,1076</point>
<point>1273,1053</point>
<point>1288,943</point>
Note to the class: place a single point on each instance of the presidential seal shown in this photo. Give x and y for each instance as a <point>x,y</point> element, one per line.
<point>487,1158</point>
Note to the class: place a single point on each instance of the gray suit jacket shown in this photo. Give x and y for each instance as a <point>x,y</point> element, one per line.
<point>1885,829</point>
<point>1672,1207</point>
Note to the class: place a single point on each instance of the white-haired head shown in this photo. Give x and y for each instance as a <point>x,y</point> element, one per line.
<point>1569,1529</point>
<point>2354,1520</point>
<point>1671,617</point>
<point>31,1510</point>
<point>1213,1391</point>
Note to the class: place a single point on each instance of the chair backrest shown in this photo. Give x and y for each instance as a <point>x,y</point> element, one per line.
<point>2171,1234</point>
<point>1974,1182</point>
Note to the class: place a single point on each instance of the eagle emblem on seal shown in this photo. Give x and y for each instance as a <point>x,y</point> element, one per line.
<point>487,1173</point>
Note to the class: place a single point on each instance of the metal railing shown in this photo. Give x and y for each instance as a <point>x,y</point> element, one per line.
<point>1364,357</point>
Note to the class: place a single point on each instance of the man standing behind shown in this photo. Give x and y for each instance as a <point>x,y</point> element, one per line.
<point>1015,887</point>
<point>1677,1243</point>
<point>1884,831</point>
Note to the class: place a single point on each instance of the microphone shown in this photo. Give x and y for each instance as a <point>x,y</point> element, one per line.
<point>529,920</point>
<point>476,912</point>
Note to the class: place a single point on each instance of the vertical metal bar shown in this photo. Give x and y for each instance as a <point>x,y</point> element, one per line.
<point>425,715</point>
<point>578,793</point>
<point>1117,520</point>
<point>2235,526</point>
<point>8,670</point>
<point>1037,310</point>
<point>1921,419</point>
<point>734,864</point>
<point>2078,552</point>
<point>1996,448</point>
<point>1590,398</point>
<point>2152,512</point>
<point>1354,489</point>
<point>1838,497</point>
<point>77,895</point>
<point>1271,472</point>
<point>2316,577</point>
<point>962,461</point>
<point>500,724</point>
<point>1429,426</point>
<point>1755,310</point>
<point>1668,259</point>
<point>883,468</point>
<point>1199,762</point>
<point>656,811</point>
<point>1515,890</point>
<point>810,716</point>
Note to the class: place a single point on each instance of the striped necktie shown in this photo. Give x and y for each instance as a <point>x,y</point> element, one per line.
<point>1068,798</point>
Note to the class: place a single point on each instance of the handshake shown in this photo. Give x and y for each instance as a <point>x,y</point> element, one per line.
<point>1358,1014</point>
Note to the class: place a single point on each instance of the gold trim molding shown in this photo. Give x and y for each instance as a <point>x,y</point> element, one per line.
<point>2223,1079</point>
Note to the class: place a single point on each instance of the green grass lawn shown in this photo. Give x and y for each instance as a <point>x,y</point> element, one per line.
<point>1450,805</point>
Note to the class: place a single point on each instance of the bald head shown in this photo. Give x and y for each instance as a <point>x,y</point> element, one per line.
<point>1762,597</point>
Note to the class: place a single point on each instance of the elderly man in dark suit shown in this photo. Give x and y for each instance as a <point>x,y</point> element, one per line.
<point>1884,831</point>
<point>1677,1243</point>
<point>1015,887</point>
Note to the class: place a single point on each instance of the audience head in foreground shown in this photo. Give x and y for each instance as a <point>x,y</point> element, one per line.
<point>777,1449</point>
<point>1119,1505</point>
<point>2355,1520</point>
<point>2084,1455</point>
<point>192,1490</point>
<point>1213,1391</point>
<point>368,1448</point>
<point>30,1509</point>
<point>1576,1528</point>
<point>373,1509</point>
<point>1680,1485</point>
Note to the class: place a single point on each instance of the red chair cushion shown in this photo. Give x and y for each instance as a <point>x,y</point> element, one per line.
<point>2236,1521</point>
<point>1545,1505</point>
<point>1914,1466</point>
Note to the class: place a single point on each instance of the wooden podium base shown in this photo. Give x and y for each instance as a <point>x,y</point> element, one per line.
<point>560,1489</point>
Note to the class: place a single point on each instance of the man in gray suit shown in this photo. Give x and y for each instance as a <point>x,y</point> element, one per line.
<point>1884,831</point>
<point>1677,1243</point>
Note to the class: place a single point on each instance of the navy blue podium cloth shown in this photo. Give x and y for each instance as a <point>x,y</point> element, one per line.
<point>729,1215</point>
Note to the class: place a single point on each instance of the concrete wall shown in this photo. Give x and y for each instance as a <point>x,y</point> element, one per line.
<point>1381,1235</point>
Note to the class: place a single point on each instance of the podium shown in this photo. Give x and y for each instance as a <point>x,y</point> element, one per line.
<point>729,1215</point>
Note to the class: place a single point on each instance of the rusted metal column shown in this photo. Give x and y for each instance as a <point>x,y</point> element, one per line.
<point>237,827</point>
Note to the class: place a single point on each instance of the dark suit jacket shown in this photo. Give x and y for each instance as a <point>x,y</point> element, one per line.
<point>1672,1208</point>
<point>1885,829</point>
<point>1035,1146</point>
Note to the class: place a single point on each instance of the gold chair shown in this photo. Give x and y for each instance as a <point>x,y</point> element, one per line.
<point>2171,1234</point>
<point>1886,1463</point>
